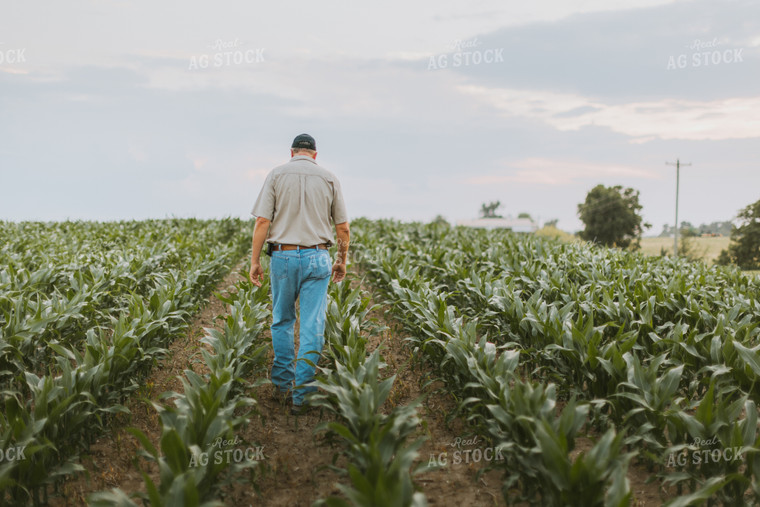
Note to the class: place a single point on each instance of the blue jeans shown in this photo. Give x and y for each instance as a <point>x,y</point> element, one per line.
<point>304,275</point>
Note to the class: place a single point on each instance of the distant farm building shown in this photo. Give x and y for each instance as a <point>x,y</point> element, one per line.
<point>514,224</point>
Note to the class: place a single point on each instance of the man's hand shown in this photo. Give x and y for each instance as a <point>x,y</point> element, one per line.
<point>344,236</point>
<point>339,272</point>
<point>257,274</point>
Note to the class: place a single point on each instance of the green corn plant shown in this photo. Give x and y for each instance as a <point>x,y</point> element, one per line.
<point>649,402</point>
<point>205,413</point>
<point>355,395</point>
<point>596,477</point>
<point>380,458</point>
<point>715,441</point>
<point>379,467</point>
<point>376,445</point>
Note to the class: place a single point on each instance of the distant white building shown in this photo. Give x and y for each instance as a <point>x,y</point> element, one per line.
<point>514,224</point>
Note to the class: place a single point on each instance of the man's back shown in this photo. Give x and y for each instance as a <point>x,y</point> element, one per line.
<point>301,198</point>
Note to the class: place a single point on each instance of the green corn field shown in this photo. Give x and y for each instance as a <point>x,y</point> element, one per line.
<point>577,366</point>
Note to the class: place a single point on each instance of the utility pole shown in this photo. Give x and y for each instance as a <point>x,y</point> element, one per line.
<point>678,165</point>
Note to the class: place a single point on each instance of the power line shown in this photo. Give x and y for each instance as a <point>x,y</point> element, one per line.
<point>678,165</point>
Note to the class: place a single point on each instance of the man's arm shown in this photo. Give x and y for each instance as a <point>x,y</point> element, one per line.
<point>344,237</point>
<point>260,231</point>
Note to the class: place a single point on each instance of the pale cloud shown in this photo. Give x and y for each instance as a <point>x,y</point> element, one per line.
<point>544,171</point>
<point>257,175</point>
<point>398,27</point>
<point>371,189</point>
<point>729,118</point>
<point>198,162</point>
<point>83,97</point>
<point>221,184</point>
<point>407,56</point>
<point>137,152</point>
<point>12,70</point>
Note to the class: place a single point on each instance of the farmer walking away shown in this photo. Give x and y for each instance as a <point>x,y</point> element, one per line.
<point>294,212</point>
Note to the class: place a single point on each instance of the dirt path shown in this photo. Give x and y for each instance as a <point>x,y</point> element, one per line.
<point>456,482</point>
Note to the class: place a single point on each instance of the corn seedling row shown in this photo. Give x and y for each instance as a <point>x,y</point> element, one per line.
<point>377,445</point>
<point>199,433</point>
<point>55,414</point>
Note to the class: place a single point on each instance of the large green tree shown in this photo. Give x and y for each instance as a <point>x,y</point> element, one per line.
<point>611,216</point>
<point>744,249</point>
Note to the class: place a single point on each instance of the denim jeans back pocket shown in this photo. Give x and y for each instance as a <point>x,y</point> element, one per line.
<point>319,266</point>
<point>279,266</point>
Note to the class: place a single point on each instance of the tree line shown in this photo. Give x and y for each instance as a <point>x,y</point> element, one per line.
<point>687,229</point>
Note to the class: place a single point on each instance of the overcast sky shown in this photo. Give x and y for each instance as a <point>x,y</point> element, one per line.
<point>119,110</point>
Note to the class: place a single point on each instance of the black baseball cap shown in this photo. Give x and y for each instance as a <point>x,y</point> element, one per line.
<point>304,141</point>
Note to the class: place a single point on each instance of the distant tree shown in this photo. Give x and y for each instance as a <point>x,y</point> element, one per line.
<point>439,219</point>
<point>687,230</point>
<point>688,248</point>
<point>525,215</point>
<point>611,216</point>
<point>744,249</point>
<point>551,223</point>
<point>489,210</point>
<point>722,228</point>
<point>667,231</point>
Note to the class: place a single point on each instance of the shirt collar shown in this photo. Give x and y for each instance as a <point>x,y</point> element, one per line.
<point>303,157</point>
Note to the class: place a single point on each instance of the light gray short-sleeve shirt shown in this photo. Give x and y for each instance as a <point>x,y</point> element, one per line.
<point>303,201</point>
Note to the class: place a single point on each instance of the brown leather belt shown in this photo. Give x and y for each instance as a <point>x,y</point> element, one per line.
<point>282,247</point>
